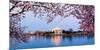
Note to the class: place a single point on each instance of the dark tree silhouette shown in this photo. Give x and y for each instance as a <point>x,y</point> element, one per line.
<point>71,30</point>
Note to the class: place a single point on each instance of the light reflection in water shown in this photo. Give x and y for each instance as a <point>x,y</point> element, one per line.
<point>56,40</point>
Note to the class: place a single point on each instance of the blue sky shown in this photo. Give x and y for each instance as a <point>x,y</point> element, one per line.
<point>37,24</point>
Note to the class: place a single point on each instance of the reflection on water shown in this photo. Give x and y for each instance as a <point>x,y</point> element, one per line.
<point>51,41</point>
<point>56,40</point>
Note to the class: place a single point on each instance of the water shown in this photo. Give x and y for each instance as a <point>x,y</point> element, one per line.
<point>54,41</point>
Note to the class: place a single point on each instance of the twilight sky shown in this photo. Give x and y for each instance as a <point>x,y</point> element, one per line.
<point>37,24</point>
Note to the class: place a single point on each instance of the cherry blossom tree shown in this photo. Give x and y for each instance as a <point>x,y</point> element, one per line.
<point>86,14</point>
<point>52,10</point>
